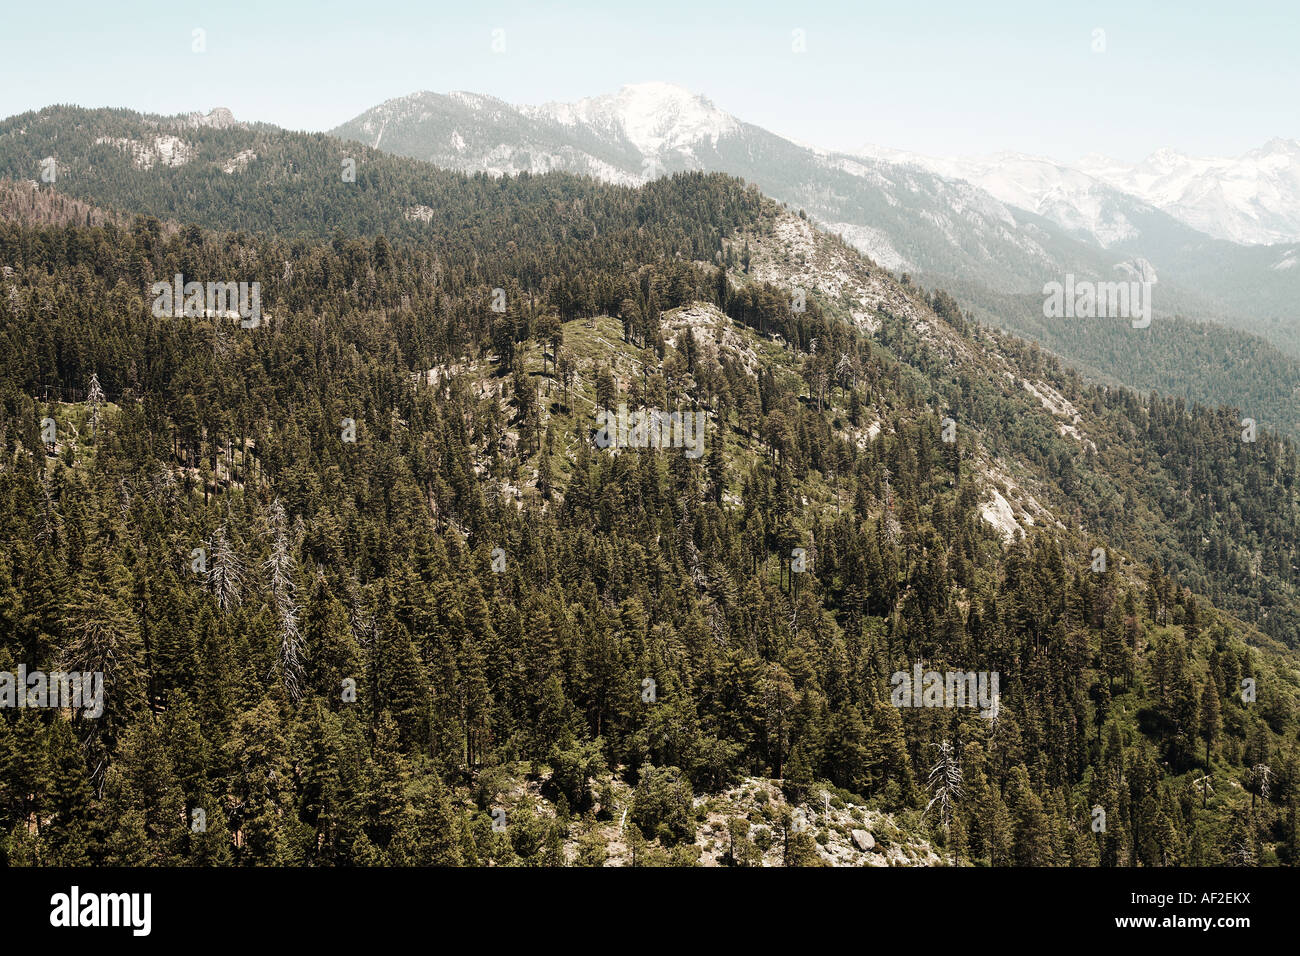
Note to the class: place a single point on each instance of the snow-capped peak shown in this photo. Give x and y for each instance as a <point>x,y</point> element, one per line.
<point>653,117</point>
<point>1252,198</point>
<point>1073,199</point>
<point>1281,144</point>
<point>1165,158</point>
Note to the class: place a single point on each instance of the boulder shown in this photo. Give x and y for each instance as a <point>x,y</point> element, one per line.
<point>863,840</point>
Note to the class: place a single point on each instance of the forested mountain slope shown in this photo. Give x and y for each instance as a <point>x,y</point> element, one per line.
<point>427,594</point>
<point>991,232</point>
<point>1148,473</point>
<point>1175,357</point>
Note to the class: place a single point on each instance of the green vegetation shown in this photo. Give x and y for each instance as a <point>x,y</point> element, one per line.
<point>389,634</point>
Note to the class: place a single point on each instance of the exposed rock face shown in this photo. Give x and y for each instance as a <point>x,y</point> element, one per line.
<point>239,162</point>
<point>163,150</point>
<point>219,118</point>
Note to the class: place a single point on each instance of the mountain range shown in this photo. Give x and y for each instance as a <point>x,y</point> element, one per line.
<point>993,256</point>
<point>994,226</point>
<point>1253,199</point>
<point>372,549</point>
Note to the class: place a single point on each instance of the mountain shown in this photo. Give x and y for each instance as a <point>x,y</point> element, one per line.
<point>627,137</point>
<point>994,230</point>
<point>253,173</point>
<point>1253,198</point>
<point>908,221</point>
<point>371,585</point>
<point>652,128</point>
<point>1001,225</point>
<point>1085,207</point>
<point>656,119</point>
<point>1251,288</point>
<point>592,227</point>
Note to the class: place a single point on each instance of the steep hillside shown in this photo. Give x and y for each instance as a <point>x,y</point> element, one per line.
<point>426,587</point>
<point>1090,439</point>
<point>1175,357</point>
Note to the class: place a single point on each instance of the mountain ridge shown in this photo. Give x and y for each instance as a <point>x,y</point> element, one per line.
<point>539,626</point>
<point>935,218</point>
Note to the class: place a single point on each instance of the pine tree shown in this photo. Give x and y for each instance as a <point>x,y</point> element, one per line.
<point>1211,722</point>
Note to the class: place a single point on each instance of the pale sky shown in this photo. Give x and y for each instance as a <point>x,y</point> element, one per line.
<point>942,78</point>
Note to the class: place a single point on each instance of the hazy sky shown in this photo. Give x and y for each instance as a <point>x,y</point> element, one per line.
<point>942,78</point>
